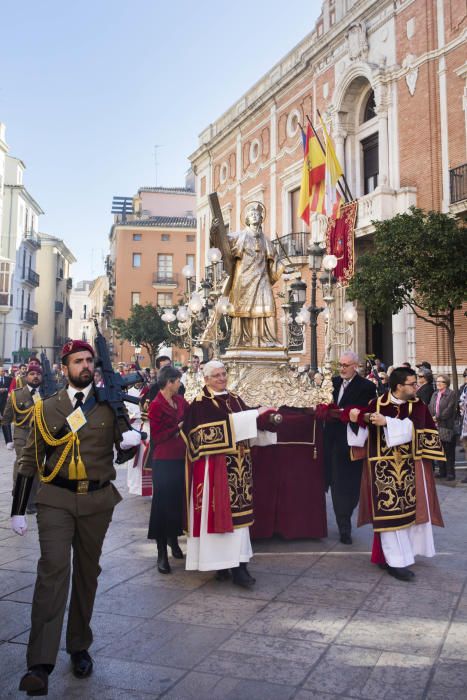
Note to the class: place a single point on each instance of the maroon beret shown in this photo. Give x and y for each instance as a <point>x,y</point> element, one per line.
<point>34,367</point>
<point>76,346</point>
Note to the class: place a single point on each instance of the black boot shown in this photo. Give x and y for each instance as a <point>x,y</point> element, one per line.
<point>241,578</point>
<point>35,681</point>
<point>163,565</point>
<point>222,575</point>
<point>244,567</point>
<point>175,547</point>
<point>400,573</point>
<point>451,473</point>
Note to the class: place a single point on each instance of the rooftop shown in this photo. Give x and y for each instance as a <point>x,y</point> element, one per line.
<point>162,222</point>
<point>168,190</point>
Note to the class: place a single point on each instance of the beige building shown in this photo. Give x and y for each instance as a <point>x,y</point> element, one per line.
<point>80,325</point>
<point>152,239</point>
<point>53,261</point>
<point>98,300</point>
<point>390,78</point>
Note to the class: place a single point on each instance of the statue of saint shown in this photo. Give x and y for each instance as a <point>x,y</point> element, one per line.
<point>254,268</point>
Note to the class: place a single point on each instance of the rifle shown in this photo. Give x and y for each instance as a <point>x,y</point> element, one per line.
<point>113,392</point>
<point>375,373</point>
<point>49,384</point>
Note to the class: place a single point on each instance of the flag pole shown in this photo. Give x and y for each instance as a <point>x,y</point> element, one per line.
<point>343,175</point>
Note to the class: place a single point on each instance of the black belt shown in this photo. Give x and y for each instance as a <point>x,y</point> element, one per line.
<point>79,485</point>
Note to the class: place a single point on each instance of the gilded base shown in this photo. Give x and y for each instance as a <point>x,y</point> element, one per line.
<point>274,382</point>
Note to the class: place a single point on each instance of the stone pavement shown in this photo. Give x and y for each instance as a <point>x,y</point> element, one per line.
<point>321,623</point>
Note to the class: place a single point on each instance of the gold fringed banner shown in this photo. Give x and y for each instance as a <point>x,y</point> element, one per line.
<point>340,236</point>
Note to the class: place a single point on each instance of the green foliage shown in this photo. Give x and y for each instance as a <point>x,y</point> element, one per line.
<point>418,259</point>
<point>144,327</point>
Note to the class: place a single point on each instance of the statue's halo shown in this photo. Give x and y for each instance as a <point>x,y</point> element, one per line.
<point>248,205</point>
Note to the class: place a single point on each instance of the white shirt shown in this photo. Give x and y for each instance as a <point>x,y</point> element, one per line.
<point>72,391</point>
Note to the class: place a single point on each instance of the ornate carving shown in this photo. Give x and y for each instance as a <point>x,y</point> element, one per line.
<point>276,384</point>
<point>357,43</point>
<point>412,74</point>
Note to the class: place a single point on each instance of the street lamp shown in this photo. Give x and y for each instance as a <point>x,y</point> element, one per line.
<point>315,258</point>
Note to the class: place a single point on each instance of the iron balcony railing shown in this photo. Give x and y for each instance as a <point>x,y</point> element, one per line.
<point>165,278</point>
<point>292,245</point>
<point>31,317</point>
<point>209,271</point>
<point>458,183</point>
<point>31,277</point>
<point>59,307</point>
<point>68,312</point>
<point>6,299</point>
<point>32,238</point>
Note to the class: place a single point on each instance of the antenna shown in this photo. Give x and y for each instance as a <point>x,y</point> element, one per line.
<point>156,162</point>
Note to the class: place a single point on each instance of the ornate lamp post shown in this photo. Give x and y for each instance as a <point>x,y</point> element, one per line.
<point>315,258</point>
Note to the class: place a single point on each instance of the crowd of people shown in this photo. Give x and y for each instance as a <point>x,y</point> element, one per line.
<point>383,432</point>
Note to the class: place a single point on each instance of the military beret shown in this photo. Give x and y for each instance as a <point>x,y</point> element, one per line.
<point>35,367</point>
<point>76,346</point>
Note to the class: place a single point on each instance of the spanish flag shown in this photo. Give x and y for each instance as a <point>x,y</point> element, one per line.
<point>312,190</point>
<point>334,171</point>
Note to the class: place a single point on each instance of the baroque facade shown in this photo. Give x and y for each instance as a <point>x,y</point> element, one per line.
<point>390,79</point>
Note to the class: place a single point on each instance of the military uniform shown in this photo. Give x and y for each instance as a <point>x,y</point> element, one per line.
<point>75,501</point>
<point>19,411</point>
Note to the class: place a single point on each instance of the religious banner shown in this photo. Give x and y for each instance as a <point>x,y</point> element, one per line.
<point>340,241</point>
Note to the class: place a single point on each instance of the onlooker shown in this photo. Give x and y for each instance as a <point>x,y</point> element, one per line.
<point>166,414</point>
<point>5,382</point>
<point>463,415</point>
<point>443,408</point>
<point>384,380</point>
<point>425,385</point>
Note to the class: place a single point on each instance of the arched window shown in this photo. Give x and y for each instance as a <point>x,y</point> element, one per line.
<point>370,107</point>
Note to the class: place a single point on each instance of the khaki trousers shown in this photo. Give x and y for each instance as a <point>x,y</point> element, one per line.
<point>63,532</point>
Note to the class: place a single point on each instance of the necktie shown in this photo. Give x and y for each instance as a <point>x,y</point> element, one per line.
<point>33,391</point>
<point>345,383</point>
<point>79,396</point>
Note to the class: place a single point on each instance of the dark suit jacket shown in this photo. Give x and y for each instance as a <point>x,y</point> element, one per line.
<point>4,384</point>
<point>359,392</point>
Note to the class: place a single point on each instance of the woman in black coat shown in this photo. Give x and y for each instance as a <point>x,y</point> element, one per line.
<point>443,408</point>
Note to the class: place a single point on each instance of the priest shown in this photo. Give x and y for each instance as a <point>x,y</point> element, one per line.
<point>398,494</point>
<point>217,431</point>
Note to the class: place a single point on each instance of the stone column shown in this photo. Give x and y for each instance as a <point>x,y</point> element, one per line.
<point>383,177</point>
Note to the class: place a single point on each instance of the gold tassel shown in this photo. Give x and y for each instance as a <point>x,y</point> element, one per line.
<point>315,453</point>
<point>72,466</point>
<point>81,469</point>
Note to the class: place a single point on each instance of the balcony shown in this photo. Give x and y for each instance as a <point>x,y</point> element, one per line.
<point>381,204</point>
<point>30,317</point>
<point>59,273</point>
<point>458,189</point>
<point>293,248</point>
<point>33,239</point>
<point>30,277</point>
<point>69,283</point>
<point>164,279</point>
<point>68,312</point>
<point>59,307</point>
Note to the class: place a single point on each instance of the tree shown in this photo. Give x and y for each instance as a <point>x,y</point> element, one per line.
<point>417,260</point>
<point>144,327</point>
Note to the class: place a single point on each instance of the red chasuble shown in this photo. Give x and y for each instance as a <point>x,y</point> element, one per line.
<point>392,480</point>
<point>208,432</point>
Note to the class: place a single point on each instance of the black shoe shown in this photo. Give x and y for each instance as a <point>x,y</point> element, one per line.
<point>440,476</point>
<point>464,481</point>
<point>163,565</point>
<point>175,547</point>
<point>35,681</point>
<point>244,567</point>
<point>451,477</point>
<point>241,578</point>
<point>345,538</point>
<point>222,575</point>
<point>81,664</point>
<point>400,573</point>
<point>31,510</point>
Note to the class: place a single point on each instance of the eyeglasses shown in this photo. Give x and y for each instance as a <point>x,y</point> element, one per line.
<point>344,366</point>
<point>440,381</point>
<point>410,384</point>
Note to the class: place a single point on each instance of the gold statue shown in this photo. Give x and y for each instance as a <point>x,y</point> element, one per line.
<point>255,269</point>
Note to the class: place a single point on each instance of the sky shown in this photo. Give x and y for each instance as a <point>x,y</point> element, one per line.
<point>87,89</point>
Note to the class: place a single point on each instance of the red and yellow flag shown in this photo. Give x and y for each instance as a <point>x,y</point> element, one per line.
<point>312,189</point>
<point>333,199</point>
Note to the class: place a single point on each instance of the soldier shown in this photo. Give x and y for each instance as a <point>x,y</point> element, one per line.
<point>19,411</point>
<point>71,447</point>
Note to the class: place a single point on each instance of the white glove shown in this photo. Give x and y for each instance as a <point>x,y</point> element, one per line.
<point>19,524</point>
<point>10,445</point>
<point>130,438</point>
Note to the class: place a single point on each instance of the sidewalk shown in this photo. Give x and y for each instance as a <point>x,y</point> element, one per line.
<point>321,623</point>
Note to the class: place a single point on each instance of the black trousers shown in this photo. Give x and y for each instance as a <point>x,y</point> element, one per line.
<point>345,487</point>
<point>168,480</point>
<point>447,468</point>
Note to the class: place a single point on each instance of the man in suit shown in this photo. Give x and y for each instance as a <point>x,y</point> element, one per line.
<point>71,448</point>
<point>342,474</point>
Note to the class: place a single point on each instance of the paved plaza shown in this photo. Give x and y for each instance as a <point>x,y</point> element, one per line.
<point>321,623</point>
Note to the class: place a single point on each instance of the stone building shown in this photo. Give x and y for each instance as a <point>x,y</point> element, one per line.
<point>390,79</point>
<point>54,259</point>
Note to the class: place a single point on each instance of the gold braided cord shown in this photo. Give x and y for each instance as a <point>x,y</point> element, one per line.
<point>26,412</point>
<point>68,440</point>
